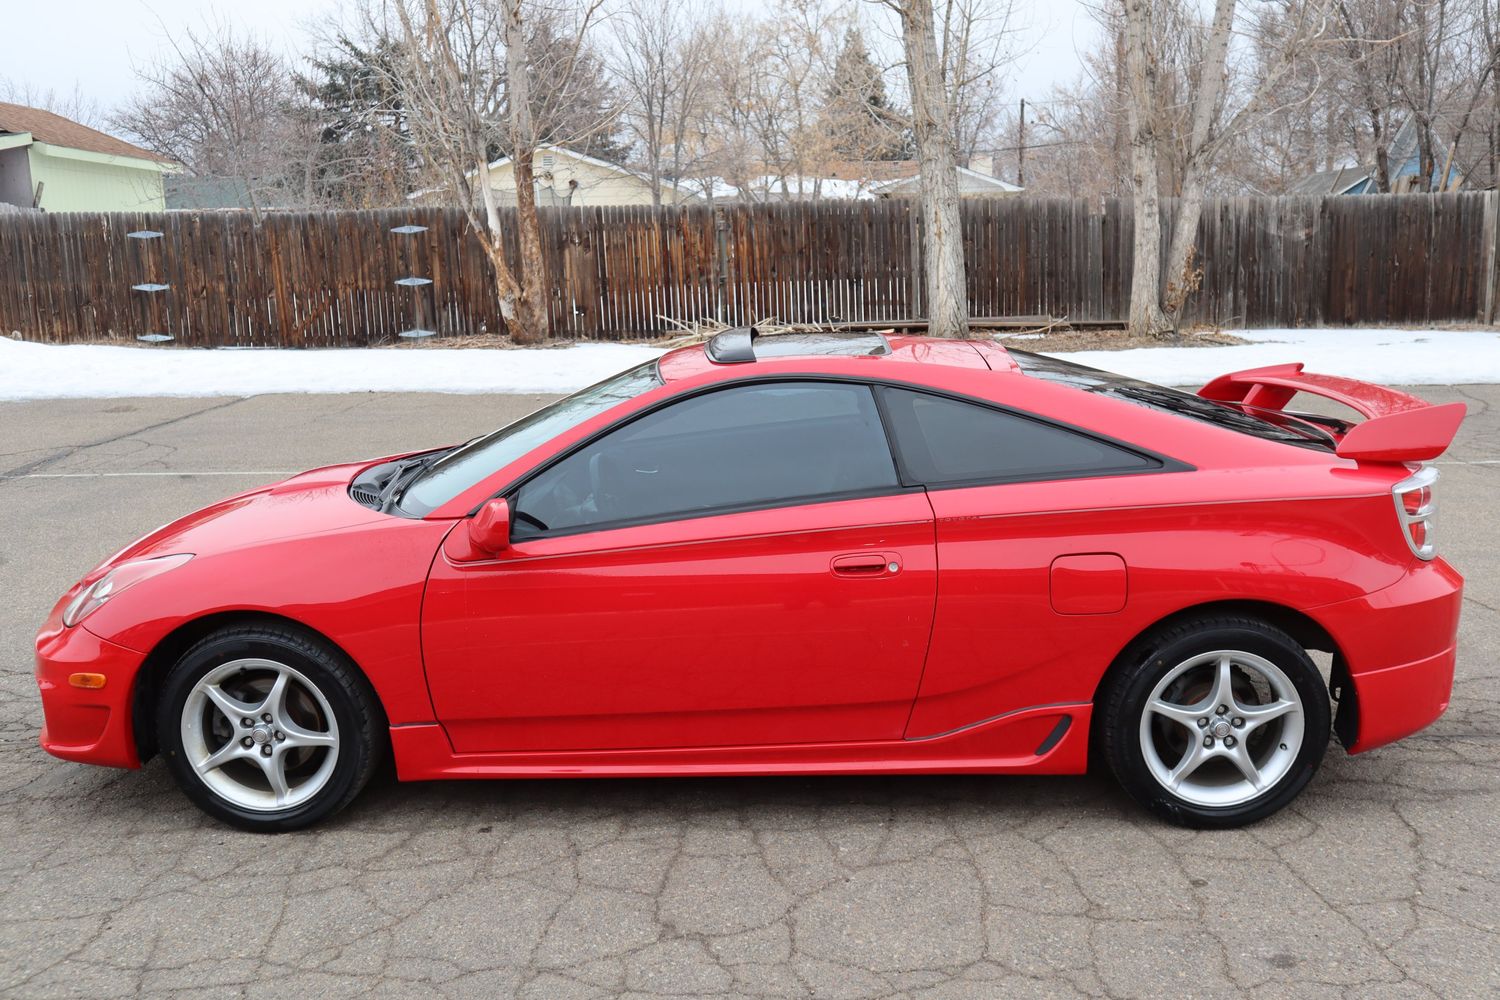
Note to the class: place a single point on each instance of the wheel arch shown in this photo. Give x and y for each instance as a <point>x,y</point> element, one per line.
<point>1302,627</point>
<point>171,647</point>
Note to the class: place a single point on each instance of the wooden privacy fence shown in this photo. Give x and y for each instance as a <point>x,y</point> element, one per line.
<point>330,278</point>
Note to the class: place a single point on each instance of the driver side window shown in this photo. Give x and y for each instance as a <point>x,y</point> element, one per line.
<point>738,448</point>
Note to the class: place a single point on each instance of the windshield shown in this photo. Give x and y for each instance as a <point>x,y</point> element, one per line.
<point>467,465</point>
<point>1287,428</point>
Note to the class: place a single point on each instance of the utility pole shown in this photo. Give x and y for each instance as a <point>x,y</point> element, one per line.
<point>1021,147</point>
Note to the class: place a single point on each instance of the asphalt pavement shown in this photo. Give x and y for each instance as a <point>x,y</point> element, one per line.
<point>1382,880</point>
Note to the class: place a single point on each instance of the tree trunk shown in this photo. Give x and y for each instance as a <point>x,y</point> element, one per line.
<point>1182,276</point>
<point>493,240</point>
<point>1382,155</point>
<point>1426,157</point>
<point>942,235</point>
<point>1154,309</point>
<point>530,325</point>
<point>1146,316</point>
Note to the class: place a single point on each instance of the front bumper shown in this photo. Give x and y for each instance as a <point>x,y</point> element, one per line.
<point>1398,647</point>
<point>89,725</point>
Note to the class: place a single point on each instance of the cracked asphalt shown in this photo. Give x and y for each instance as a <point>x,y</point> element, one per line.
<point>1380,881</point>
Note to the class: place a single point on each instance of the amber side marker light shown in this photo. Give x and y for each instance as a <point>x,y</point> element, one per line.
<point>91,682</point>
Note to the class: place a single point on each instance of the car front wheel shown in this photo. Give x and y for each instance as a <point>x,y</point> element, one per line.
<point>1216,722</point>
<point>267,729</point>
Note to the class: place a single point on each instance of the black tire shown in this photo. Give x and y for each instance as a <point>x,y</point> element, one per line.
<point>1126,691</point>
<point>354,706</point>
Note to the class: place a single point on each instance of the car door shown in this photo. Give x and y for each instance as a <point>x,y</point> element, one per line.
<point>1036,561</point>
<point>737,567</point>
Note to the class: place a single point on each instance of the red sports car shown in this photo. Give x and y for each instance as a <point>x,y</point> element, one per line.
<point>798,554</point>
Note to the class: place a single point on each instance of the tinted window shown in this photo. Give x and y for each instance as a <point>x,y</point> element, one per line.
<point>742,447</point>
<point>949,441</point>
<point>467,465</point>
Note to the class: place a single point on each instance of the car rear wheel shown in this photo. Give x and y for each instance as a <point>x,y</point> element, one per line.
<point>267,729</point>
<point>1216,722</point>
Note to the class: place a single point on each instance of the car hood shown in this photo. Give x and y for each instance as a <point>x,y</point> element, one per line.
<point>306,504</point>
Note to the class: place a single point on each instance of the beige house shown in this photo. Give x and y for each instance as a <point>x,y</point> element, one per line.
<point>565,177</point>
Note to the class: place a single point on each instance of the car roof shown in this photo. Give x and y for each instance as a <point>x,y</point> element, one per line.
<point>734,350</point>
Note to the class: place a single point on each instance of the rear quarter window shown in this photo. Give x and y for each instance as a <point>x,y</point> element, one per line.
<point>944,441</point>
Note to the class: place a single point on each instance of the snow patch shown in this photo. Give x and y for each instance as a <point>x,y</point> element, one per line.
<point>52,371</point>
<point>48,371</point>
<point>1388,357</point>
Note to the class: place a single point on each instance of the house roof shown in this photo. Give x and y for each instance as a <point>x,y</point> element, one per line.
<point>969,182</point>
<point>594,160</point>
<point>1339,181</point>
<point>576,155</point>
<point>56,130</point>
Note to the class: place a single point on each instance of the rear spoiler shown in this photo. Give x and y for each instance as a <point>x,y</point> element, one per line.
<point>1398,427</point>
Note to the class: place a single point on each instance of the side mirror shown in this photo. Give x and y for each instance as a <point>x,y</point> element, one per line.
<point>489,530</point>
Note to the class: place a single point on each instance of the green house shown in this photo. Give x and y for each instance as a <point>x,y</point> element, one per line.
<point>52,163</point>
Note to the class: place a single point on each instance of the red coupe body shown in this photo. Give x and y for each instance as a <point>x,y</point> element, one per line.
<point>961,627</point>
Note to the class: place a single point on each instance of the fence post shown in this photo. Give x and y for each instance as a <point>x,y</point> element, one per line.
<point>721,262</point>
<point>1490,236</point>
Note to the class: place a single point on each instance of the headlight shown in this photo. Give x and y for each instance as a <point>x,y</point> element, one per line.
<point>92,597</point>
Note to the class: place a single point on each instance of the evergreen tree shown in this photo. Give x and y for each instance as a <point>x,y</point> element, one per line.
<point>858,111</point>
<point>366,158</point>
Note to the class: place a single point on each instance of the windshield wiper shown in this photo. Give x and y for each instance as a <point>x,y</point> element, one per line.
<point>405,473</point>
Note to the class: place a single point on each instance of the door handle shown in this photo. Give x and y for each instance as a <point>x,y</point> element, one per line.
<point>866,564</point>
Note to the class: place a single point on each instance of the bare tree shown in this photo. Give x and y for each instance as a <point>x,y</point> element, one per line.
<point>975,47</point>
<point>1369,73</point>
<point>662,60</point>
<point>933,127</point>
<point>726,125</point>
<point>226,106</point>
<point>1489,22</point>
<point>1214,120</point>
<point>467,80</point>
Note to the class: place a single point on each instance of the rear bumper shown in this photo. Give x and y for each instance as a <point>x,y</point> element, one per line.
<point>1399,646</point>
<point>91,726</point>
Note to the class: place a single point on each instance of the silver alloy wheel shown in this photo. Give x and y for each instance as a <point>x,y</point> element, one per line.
<point>259,734</point>
<point>1222,727</point>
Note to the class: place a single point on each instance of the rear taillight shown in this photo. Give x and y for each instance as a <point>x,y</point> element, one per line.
<point>1415,507</point>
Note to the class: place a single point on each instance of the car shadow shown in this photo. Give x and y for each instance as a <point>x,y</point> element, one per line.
<point>795,800</point>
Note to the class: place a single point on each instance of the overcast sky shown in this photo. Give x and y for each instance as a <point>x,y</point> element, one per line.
<point>93,45</point>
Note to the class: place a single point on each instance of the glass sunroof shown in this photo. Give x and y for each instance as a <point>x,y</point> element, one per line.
<point>731,346</point>
<point>783,345</point>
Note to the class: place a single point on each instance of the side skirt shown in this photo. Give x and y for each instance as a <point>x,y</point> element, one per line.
<point>1047,739</point>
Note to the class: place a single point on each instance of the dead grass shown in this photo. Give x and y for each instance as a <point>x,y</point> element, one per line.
<point>1103,339</point>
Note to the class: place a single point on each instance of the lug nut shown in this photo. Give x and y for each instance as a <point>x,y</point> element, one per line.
<point>1229,741</point>
<point>247,723</point>
<point>1202,723</point>
<point>265,717</point>
<point>280,736</point>
<point>247,742</point>
<point>1237,722</point>
<point>1221,709</point>
<point>265,751</point>
<point>1208,741</point>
